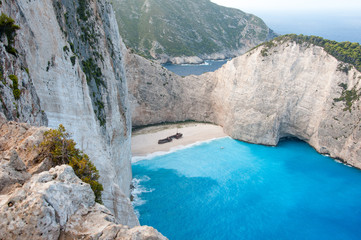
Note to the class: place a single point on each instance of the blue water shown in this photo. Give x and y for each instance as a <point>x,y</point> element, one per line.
<point>227,189</point>
<point>195,69</point>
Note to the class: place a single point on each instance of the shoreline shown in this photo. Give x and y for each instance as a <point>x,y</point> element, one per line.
<point>145,140</point>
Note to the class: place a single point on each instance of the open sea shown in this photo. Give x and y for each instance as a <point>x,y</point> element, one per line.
<point>227,189</point>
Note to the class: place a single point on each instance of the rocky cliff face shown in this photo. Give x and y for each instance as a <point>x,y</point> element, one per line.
<point>187,31</point>
<point>37,202</point>
<point>287,90</point>
<point>70,71</point>
<point>14,75</point>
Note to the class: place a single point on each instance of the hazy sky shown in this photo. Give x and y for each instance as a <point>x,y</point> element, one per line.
<point>255,6</point>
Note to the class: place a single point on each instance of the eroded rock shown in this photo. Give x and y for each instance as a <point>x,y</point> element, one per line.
<point>56,203</point>
<point>43,205</point>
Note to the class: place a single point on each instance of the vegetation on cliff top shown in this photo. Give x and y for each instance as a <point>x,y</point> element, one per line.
<point>343,51</point>
<point>60,149</point>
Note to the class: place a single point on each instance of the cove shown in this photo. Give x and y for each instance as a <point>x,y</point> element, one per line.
<point>227,189</point>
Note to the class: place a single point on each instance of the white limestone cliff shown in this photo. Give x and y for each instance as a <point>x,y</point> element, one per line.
<point>292,91</point>
<point>26,107</point>
<point>75,63</point>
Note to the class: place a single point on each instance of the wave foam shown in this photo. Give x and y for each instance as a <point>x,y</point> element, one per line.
<point>137,192</point>
<point>343,163</point>
<point>172,150</point>
<point>206,63</point>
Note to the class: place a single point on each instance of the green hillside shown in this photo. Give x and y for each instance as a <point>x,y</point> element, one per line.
<point>187,27</point>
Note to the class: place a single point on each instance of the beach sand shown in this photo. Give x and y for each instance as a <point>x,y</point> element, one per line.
<point>145,140</point>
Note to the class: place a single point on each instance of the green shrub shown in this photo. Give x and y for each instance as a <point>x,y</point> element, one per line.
<point>16,93</point>
<point>72,59</point>
<point>82,10</point>
<point>15,86</point>
<point>9,28</point>
<point>72,47</point>
<point>348,97</point>
<point>58,147</point>
<point>2,79</point>
<point>66,49</point>
<point>92,71</point>
<point>11,50</point>
<point>343,68</point>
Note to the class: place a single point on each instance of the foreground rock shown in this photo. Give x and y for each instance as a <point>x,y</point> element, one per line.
<point>98,223</point>
<point>19,158</point>
<point>40,202</point>
<point>56,203</point>
<point>287,90</point>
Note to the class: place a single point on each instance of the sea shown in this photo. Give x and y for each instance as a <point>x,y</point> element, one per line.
<point>227,189</point>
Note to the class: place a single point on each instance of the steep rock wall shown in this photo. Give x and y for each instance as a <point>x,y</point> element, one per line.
<point>268,93</point>
<point>24,107</point>
<point>158,95</point>
<point>74,54</point>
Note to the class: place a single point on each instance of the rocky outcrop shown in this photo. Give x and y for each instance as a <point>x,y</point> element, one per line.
<point>42,206</point>
<point>287,90</point>
<point>40,202</point>
<point>98,223</point>
<point>19,157</point>
<point>70,70</point>
<point>56,204</point>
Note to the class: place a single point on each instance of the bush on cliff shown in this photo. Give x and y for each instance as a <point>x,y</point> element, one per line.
<point>58,147</point>
<point>9,28</point>
<point>15,86</point>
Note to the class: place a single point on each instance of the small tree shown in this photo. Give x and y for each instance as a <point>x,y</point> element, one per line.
<point>58,147</point>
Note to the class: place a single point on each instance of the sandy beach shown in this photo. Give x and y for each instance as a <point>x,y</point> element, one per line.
<point>145,140</point>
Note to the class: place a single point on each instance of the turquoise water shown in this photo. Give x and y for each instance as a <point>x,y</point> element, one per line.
<point>227,189</point>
